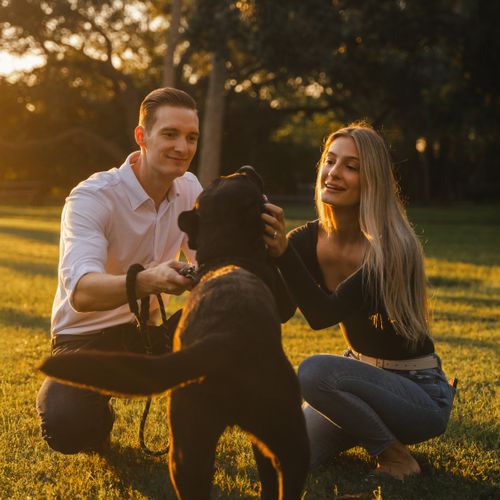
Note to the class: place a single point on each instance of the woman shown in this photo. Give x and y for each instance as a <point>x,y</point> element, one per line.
<point>361,265</point>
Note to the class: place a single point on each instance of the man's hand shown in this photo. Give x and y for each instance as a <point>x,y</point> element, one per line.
<point>164,277</point>
<point>274,230</point>
<point>103,292</point>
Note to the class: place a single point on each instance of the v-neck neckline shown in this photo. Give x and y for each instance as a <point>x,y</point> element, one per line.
<point>320,272</point>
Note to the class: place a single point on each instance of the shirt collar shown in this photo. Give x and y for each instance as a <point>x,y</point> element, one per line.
<point>173,191</point>
<point>172,195</point>
<point>135,192</point>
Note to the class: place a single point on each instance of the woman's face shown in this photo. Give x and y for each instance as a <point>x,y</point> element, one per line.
<point>340,184</point>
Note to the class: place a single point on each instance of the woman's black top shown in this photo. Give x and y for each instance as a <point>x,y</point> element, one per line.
<point>365,325</point>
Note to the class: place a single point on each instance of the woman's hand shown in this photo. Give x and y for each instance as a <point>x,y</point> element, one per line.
<point>274,230</point>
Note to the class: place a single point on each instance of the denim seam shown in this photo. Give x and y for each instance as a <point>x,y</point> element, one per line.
<point>368,383</point>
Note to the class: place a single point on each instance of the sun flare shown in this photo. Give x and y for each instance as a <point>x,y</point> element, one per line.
<point>10,63</point>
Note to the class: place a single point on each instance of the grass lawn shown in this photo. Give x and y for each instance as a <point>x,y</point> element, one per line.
<point>462,245</point>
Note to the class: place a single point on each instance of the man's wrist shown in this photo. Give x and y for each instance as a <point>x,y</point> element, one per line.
<point>145,284</point>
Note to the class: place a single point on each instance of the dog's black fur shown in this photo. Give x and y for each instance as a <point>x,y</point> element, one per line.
<point>229,342</point>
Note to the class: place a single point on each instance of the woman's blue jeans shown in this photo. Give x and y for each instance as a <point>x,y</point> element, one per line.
<point>350,403</point>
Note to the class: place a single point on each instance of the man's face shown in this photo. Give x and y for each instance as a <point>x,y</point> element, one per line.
<point>170,143</point>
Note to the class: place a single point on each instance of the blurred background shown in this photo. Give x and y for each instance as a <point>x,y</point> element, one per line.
<point>271,78</point>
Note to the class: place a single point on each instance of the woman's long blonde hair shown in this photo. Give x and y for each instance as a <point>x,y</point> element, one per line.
<point>394,260</point>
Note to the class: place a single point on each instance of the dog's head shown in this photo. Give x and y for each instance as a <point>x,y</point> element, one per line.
<point>227,215</point>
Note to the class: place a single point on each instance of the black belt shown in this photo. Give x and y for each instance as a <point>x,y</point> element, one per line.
<point>64,338</point>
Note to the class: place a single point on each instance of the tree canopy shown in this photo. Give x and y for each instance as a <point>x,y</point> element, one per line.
<point>272,79</point>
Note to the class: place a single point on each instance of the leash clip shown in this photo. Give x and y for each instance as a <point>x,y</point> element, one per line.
<point>190,273</point>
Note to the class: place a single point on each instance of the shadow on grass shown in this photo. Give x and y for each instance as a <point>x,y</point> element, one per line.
<point>41,235</point>
<point>436,485</point>
<point>343,478</point>
<point>136,471</point>
<point>13,317</point>
<point>464,317</point>
<point>445,475</point>
<point>484,436</point>
<point>346,478</point>
<point>31,268</point>
<point>472,301</point>
<point>447,282</point>
<point>150,476</point>
<point>465,341</point>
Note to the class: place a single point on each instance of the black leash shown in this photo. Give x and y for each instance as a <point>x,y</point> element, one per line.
<point>142,317</point>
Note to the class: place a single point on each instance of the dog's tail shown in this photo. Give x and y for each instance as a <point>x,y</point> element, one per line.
<point>133,374</point>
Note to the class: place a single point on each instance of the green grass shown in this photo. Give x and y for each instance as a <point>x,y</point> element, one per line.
<point>462,245</point>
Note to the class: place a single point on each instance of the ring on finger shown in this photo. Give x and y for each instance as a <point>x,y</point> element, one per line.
<point>275,234</point>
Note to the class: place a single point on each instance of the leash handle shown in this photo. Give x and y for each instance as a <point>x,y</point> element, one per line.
<point>142,317</point>
<point>130,282</point>
<point>162,309</point>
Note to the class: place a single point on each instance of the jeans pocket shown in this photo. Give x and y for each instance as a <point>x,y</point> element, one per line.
<point>440,392</point>
<point>433,382</point>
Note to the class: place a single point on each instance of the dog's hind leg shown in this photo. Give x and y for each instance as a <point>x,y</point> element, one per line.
<point>282,476</point>
<point>195,428</point>
<point>292,451</point>
<point>274,417</point>
<point>268,473</point>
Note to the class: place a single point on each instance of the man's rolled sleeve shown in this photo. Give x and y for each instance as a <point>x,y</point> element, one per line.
<point>83,239</point>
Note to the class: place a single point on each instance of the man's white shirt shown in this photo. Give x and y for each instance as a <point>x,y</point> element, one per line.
<point>109,223</point>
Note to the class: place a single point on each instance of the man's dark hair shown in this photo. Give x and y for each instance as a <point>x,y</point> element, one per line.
<point>166,96</point>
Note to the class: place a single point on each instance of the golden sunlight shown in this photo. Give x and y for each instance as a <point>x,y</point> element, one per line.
<point>10,63</point>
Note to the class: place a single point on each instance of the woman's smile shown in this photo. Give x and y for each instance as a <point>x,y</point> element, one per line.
<point>334,187</point>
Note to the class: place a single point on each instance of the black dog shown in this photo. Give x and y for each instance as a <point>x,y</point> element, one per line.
<point>228,342</point>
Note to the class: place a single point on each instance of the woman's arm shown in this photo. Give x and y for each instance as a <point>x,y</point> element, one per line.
<point>284,300</point>
<point>321,309</point>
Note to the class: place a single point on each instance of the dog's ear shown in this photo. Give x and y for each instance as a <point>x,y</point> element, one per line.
<point>189,222</point>
<point>253,175</point>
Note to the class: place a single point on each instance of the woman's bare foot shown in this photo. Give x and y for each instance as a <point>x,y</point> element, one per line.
<point>397,461</point>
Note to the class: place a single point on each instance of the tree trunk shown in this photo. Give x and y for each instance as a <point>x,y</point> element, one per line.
<point>172,40</point>
<point>211,132</point>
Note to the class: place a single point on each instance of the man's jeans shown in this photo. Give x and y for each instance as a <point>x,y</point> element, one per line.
<point>73,419</point>
<point>350,403</point>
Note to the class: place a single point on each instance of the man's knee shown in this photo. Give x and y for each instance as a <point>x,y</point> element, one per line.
<point>71,419</point>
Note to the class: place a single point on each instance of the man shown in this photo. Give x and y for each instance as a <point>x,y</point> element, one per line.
<point>109,222</point>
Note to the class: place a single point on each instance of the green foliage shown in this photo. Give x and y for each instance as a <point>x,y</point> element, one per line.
<point>464,270</point>
<point>76,114</point>
<point>416,69</point>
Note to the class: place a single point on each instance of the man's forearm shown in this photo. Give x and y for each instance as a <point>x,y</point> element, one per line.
<point>99,292</point>
<point>103,292</point>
